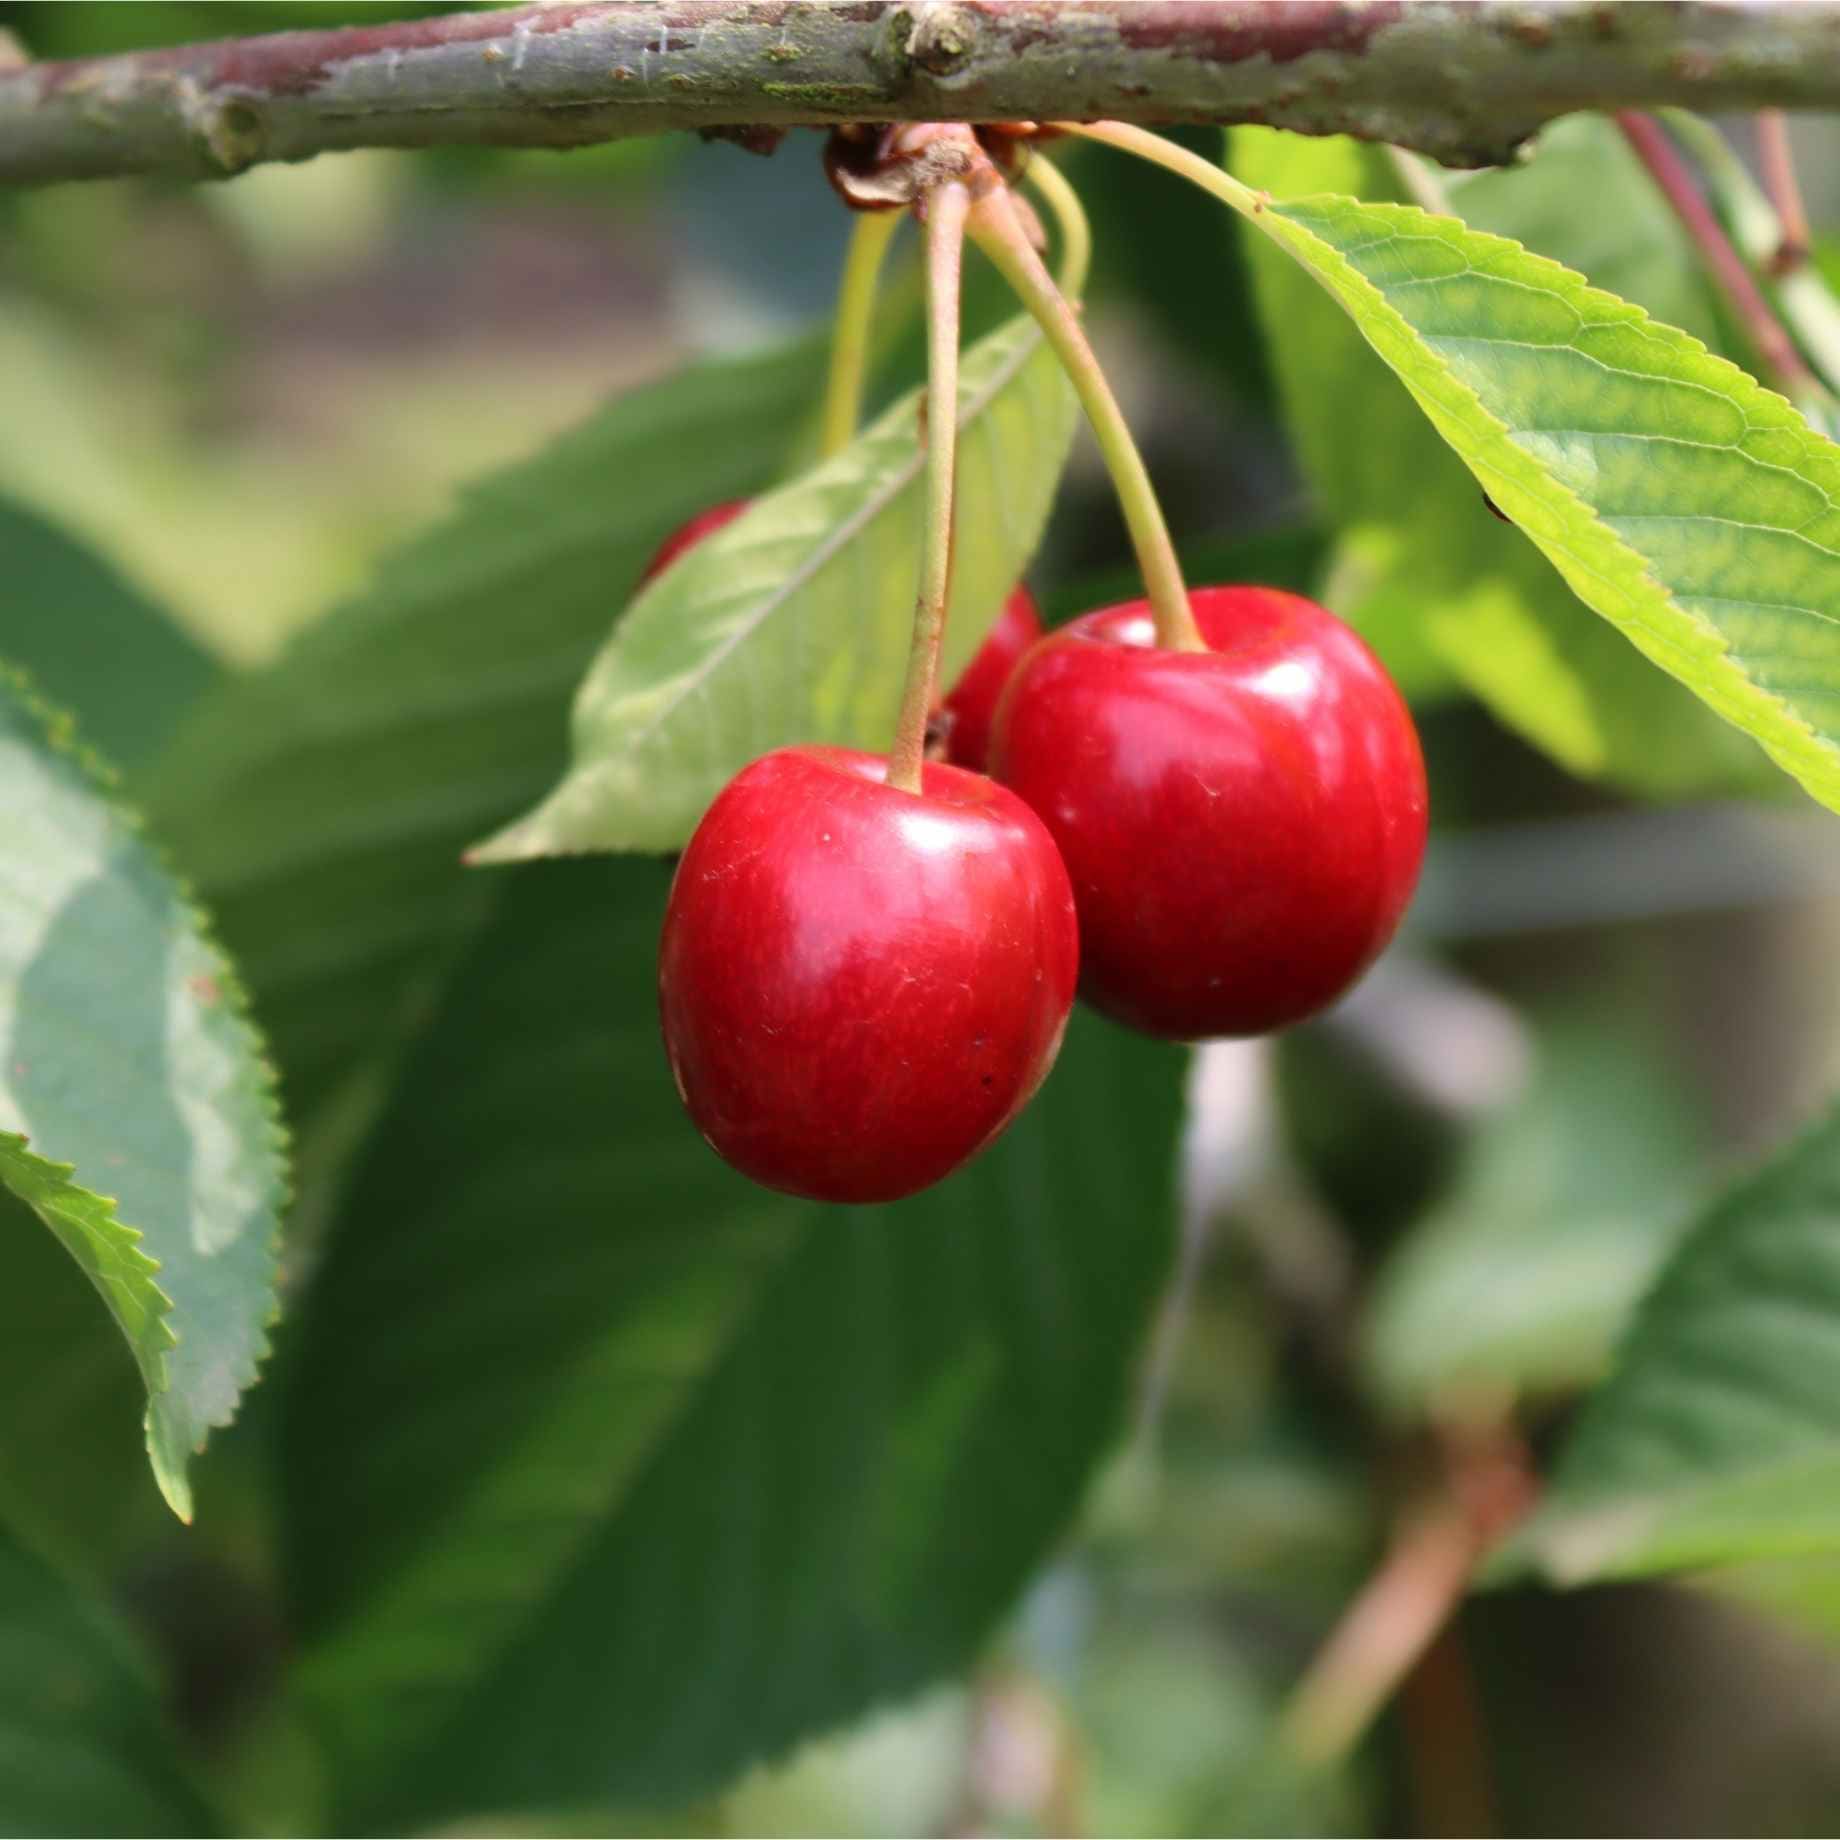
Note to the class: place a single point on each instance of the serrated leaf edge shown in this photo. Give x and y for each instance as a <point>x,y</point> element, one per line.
<point>263,1080</point>
<point>1788,737</point>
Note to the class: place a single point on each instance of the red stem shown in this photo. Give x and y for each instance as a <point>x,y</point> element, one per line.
<point>1777,159</point>
<point>1728,269</point>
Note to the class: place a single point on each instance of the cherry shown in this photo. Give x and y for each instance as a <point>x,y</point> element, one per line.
<point>689,535</point>
<point>973,699</point>
<point>861,987</point>
<point>1243,825</point>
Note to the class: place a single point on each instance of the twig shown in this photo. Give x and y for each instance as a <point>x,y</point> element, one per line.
<point>1777,159</point>
<point>1446,1747</point>
<point>1669,171</point>
<point>1410,1598</point>
<point>1466,81</point>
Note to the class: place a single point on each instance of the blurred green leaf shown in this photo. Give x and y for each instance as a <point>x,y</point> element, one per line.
<point>94,30</point>
<point>660,1472</point>
<point>84,1749</point>
<point>1802,1591</point>
<point>73,1463</point>
<point>1717,1438</point>
<point>91,642</point>
<point>323,803</point>
<point>794,622</point>
<point>126,1053</point>
<point>1442,589</point>
<point>1564,1209</point>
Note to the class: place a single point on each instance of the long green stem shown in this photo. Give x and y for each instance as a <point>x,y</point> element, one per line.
<point>862,267</point>
<point>1070,216</point>
<point>946,210</point>
<point>1161,152</point>
<point>995,230</point>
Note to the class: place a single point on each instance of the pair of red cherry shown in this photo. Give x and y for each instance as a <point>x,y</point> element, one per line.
<point>861,987</point>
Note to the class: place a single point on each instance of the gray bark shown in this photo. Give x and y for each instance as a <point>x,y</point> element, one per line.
<point>1463,82</point>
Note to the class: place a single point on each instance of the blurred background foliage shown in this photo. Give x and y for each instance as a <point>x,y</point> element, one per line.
<point>225,402</point>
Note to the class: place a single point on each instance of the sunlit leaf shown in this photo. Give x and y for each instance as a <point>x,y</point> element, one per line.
<point>793,623</point>
<point>1442,587</point>
<point>1690,506</point>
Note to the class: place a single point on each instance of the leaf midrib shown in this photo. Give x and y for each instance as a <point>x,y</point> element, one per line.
<point>872,507</point>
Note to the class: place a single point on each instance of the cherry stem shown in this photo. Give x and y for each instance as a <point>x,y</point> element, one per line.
<point>946,208</point>
<point>862,267</point>
<point>1777,159</point>
<point>1070,217</point>
<point>995,229</point>
<point>1669,172</point>
<point>1161,152</point>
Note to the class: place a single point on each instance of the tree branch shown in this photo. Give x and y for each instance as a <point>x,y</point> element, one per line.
<point>1465,82</point>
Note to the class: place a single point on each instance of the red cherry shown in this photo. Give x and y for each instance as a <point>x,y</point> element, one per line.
<point>1243,826</point>
<point>973,700</point>
<point>860,987</point>
<point>688,536</point>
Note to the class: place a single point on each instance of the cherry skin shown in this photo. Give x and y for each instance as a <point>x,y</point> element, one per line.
<point>1243,826</point>
<point>689,535</point>
<point>861,987</point>
<point>973,700</point>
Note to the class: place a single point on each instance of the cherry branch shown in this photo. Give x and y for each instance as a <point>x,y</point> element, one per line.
<point>1464,80</point>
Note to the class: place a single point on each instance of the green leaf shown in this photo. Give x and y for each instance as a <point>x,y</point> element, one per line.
<point>73,1462</point>
<point>1443,589</point>
<point>125,1054</point>
<point>1717,1438</point>
<point>108,1253</point>
<point>661,1472</point>
<point>793,623</point>
<point>1623,244</point>
<point>323,803</point>
<point>1521,1280</point>
<point>91,642</point>
<point>1691,507</point>
<point>83,1747</point>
